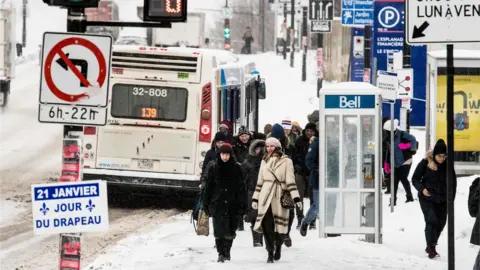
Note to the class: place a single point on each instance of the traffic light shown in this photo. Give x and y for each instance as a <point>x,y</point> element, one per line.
<point>164,10</point>
<point>73,3</point>
<point>227,34</point>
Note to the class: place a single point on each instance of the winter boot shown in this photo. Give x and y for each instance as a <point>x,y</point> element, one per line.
<point>287,241</point>
<point>409,198</point>
<point>227,248</point>
<point>303,229</point>
<point>431,252</point>
<point>313,225</point>
<point>278,252</point>
<point>257,239</point>
<point>270,257</point>
<point>220,249</point>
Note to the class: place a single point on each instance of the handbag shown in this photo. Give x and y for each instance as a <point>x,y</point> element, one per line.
<point>203,225</point>
<point>286,199</point>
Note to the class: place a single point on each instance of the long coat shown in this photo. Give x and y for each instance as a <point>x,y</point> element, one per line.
<point>268,191</point>
<point>474,210</point>
<point>225,196</point>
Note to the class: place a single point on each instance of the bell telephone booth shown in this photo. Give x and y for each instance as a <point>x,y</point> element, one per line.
<point>350,160</point>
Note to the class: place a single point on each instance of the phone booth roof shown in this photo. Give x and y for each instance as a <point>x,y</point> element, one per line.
<point>350,88</point>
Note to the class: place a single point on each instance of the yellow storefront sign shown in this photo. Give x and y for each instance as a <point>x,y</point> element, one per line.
<point>466,112</point>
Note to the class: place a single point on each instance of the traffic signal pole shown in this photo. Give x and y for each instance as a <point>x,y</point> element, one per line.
<point>226,31</point>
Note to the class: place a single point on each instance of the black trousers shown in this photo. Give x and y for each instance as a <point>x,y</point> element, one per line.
<point>401,175</point>
<point>435,215</point>
<point>271,237</point>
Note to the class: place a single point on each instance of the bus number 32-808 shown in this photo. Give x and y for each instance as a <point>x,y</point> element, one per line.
<point>153,92</point>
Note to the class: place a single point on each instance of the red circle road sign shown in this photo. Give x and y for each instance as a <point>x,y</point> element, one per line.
<point>57,49</point>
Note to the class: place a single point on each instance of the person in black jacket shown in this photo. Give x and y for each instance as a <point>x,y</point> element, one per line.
<point>225,199</point>
<point>241,143</point>
<point>251,167</point>
<point>211,154</point>
<point>430,179</point>
<point>301,171</point>
<point>474,210</point>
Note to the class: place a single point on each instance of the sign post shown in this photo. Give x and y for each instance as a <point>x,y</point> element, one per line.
<point>444,21</point>
<point>74,79</point>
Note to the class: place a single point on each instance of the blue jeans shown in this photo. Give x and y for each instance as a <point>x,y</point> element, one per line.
<point>313,210</point>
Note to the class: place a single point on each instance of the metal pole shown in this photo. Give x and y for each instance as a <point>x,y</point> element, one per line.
<point>287,36</point>
<point>450,160</point>
<point>319,80</point>
<point>292,30</point>
<point>392,157</point>
<point>24,26</point>
<point>305,45</point>
<point>262,13</point>
<point>406,64</point>
<point>367,49</point>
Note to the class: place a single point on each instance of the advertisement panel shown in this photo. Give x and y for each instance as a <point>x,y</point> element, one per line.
<point>388,34</point>
<point>356,55</point>
<point>466,111</point>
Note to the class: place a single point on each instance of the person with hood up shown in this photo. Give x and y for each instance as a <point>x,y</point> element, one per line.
<point>276,175</point>
<point>211,154</point>
<point>302,172</point>
<point>474,210</point>
<point>430,179</point>
<point>251,168</point>
<point>225,199</point>
<point>403,141</point>
<point>296,129</point>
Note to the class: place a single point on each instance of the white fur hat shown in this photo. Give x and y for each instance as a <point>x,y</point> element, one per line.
<point>387,125</point>
<point>273,141</point>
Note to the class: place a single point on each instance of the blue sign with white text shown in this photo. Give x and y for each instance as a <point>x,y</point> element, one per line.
<point>388,37</point>
<point>356,57</point>
<point>357,12</point>
<point>70,207</point>
<point>350,102</point>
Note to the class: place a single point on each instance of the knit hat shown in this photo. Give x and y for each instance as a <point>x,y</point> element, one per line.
<point>220,136</point>
<point>277,131</point>
<point>243,130</point>
<point>226,148</point>
<point>274,141</point>
<point>311,126</point>
<point>295,123</point>
<point>387,125</point>
<point>287,124</point>
<point>440,148</point>
<point>228,124</point>
<point>314,116</point>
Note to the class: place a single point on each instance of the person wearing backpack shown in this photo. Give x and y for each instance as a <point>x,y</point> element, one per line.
<point>474,210</point>
<point>403,141</point>
<point>430,179</point>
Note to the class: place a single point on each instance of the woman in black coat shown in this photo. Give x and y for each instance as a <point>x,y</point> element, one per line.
<point>430,179</point>
<point>225,199</point>
<point>474,210</point>
<point>251,167</point>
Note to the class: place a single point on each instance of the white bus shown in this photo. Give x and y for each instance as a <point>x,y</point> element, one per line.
<point>163,114</point>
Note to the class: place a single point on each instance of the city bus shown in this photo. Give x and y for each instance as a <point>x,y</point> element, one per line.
<point>164,110</point>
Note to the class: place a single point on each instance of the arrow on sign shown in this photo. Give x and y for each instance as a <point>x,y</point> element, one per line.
<point>83,64</point>
<point>418,32</point>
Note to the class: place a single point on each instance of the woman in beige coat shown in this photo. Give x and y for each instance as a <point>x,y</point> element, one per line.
<point>275,175</point>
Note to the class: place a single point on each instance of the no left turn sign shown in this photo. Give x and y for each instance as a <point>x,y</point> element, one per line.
<point>75,78</point>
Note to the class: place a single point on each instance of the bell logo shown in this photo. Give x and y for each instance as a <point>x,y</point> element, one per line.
<point>352,103</point>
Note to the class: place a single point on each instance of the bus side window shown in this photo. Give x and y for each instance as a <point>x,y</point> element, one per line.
<point>248,100</point>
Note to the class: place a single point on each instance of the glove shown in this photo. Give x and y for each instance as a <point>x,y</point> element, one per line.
<point>254,205</point>
<point>299,205</point>
<point>386,167</point>
<point>404,146</point>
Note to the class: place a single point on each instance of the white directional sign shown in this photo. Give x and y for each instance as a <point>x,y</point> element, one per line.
<point>75,78</point>
<point>70,207</point>
<point>388,83</point>
<point>405,83</point>
<point>442,21</point>
<point>321,10</point>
